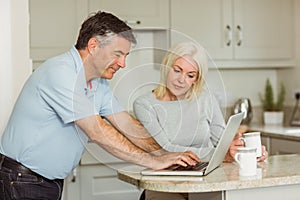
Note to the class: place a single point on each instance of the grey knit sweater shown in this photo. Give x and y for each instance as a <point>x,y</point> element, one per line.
<point>182,125</point>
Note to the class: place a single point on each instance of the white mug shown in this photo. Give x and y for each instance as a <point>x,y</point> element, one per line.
<point>246,158</point>
<point>253,139</point>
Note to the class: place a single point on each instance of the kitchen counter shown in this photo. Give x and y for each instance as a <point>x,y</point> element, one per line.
<point>278,139</point>
<point>277,131</point>
<point>280,171</point>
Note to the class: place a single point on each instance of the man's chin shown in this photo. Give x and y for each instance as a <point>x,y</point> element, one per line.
<point>109,77</point>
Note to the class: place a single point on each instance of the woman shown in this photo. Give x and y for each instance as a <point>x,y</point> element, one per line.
<point>180,113</point>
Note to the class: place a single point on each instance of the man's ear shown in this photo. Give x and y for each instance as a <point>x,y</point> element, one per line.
<point>93,43</point>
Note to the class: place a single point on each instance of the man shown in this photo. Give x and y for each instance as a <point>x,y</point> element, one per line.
<point>61,107</point>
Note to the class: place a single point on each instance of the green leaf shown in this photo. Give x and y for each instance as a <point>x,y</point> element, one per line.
<point>267,99</point>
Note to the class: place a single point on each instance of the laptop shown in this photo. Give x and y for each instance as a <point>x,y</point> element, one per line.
<point>216,160</point>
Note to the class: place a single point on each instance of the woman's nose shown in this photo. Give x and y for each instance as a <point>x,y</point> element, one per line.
<point>181,78</point>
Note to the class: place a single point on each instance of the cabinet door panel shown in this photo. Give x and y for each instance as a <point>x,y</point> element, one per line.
<point>101,182</point>
<point>247,32</point>
<point>138,13</point>
<point>266,30</point>
<point>206,21</point>
<point>54,26</point>
<point>280,146</point>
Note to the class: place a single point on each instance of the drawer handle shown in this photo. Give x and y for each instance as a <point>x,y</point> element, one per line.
<point>74,173</point>
<point>240,35</point>
<point>132,22</point>
<point>229,35</point>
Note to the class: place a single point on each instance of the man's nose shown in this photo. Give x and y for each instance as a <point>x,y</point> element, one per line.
<point>122,61</point>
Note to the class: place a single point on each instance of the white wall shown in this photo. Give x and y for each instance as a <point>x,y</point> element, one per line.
<point>140,75</point>
<point>14,54</point>
<point>291,77</point>
<point>247,83</point>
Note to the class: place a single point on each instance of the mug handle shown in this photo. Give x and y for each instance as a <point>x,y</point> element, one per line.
<point>236,158</point>
<point>243,140</point>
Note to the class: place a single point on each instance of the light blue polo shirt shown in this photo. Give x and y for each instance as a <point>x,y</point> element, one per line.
<point>41,133</point>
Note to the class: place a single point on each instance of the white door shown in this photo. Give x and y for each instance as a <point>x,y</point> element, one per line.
<point>263,29</point>
<point>208,22</point>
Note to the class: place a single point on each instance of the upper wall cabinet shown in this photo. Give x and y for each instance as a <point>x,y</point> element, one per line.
<point>249,33</point>
<point>54,26</point>
<point>139,14</point>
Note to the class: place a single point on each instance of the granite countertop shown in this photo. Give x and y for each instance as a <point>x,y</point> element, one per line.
<point>277,131</point>
<point>277,170</point>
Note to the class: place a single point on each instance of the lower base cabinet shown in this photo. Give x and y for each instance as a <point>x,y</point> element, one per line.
<point>94,182</point>
<point>288,192</point>
<point>276,146</point>
<point>101,182</point>
<point>96,178</point>
<point>281,146</point>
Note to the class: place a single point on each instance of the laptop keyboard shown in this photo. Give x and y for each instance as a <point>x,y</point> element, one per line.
<point>197,167</point>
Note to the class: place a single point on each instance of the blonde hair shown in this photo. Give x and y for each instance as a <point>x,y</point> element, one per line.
<point>198,54</point>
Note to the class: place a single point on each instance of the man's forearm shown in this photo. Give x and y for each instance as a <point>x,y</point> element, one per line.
<point>112,141</point>
<point>135,132</point>
<point>149,145</point>
<point>120,146</point>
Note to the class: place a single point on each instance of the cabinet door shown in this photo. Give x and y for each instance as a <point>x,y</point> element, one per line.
<point>263,29</point>
<point>54,26</point>
<point>71,189</point>
<point>208,22</point>
<point>237,30</point>
<point>101,182</point>
<point>281,146</point>
<point>139,14</point>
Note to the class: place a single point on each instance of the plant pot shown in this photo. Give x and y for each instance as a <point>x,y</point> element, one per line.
<point>273,117</point>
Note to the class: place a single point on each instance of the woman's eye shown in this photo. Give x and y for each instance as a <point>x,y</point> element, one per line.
<point>176,70</point>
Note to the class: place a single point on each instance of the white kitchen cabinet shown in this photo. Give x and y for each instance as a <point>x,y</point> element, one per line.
<point>279,146</point>
<point>246,33</point>
<point>98,181</point>
<point>96,178</point>
<point>282,146</point>
<point>101,182</point>
<point>139,14</point>
<point>54,26</point>
<point>71,189</point>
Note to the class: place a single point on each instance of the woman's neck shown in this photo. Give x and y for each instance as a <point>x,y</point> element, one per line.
<point>169,96</point>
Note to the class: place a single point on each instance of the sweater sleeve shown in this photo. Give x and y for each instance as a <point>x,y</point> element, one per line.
<point>217,123</point>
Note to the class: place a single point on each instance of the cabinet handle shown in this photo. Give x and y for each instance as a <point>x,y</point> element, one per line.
<point>240,35</point>
<point>132,22</point>
<point>74,173</point>
<point>229,35</point>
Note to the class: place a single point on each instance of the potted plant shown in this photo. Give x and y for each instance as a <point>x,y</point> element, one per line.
<point>273,110</point>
